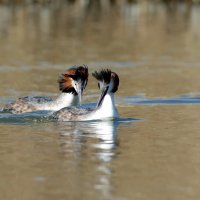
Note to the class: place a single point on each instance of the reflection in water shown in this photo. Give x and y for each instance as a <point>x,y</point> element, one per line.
<point>76,134</point>
<point>153,43</point>
<point>59,32</point>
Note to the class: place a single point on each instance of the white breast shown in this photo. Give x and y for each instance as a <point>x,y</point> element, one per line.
<point>64,100</point>
<point>106,110</point>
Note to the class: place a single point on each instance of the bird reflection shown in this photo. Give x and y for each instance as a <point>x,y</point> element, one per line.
<point>99,139</point>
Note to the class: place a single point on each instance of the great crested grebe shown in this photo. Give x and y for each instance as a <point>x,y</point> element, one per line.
<point>108,83</point>
<point>71,84</point>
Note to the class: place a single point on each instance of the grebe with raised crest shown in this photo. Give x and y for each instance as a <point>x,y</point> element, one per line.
<point>108,83</point>
<point>71,84</point>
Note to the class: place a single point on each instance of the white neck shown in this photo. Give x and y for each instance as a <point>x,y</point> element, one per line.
<point>106,110</point>
<point>64,100</point>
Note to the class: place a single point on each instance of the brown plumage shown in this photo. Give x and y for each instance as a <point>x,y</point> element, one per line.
<point>108,83</point>
<point>19,106</point>
<point>105,75</point>
<point>70,83</point>
<point>115,78</point>
<point>75,73</point>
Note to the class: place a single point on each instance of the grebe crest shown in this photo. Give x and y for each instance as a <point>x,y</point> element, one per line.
<point>108,83</point>
<point>71,84</point>
<point>74,80</point>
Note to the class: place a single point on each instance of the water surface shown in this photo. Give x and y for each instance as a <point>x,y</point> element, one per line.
<point>154,49</point>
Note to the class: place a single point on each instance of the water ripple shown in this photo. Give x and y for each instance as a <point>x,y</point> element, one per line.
<point>29,117</point>
<point>182,99</point>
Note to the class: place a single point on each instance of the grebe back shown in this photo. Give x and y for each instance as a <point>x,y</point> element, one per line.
<point>71,84</point>
<point>108,83</point>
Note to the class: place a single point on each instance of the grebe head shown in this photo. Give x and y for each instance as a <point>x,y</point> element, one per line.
<point>108,82</point>
<point>74,80</point>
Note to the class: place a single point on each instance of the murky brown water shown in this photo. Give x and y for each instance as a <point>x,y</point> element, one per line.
<point>155,50</point>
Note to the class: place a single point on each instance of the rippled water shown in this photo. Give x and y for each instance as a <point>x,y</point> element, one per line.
<point>153,151</point>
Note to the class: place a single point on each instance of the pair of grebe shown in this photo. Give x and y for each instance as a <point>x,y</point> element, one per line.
<point>66,107</point>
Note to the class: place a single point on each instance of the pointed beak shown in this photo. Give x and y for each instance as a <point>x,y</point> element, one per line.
<point>104,92</point>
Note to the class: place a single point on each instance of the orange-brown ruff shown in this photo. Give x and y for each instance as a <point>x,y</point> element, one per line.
<point>75,73</point>
<point>108,83</point>
<point>68,97</point>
